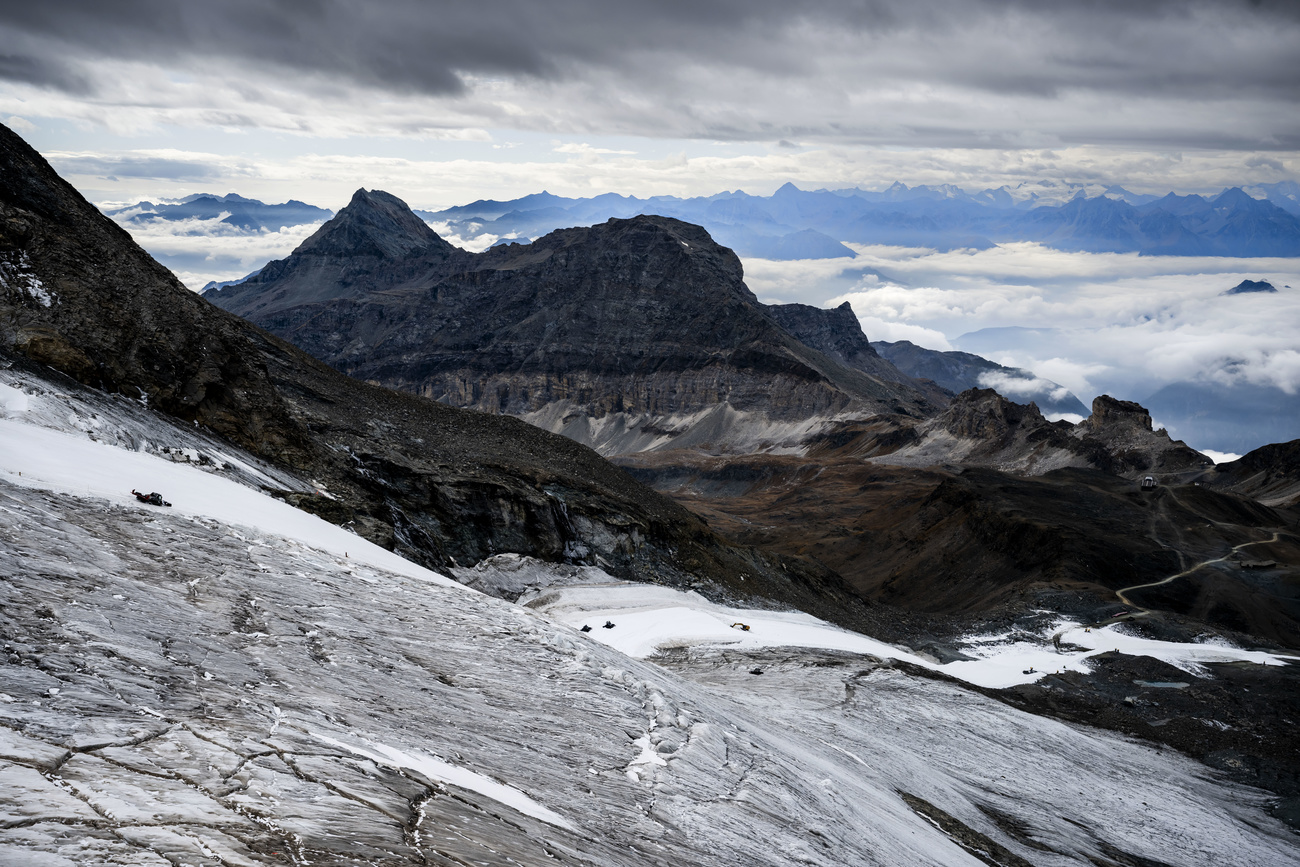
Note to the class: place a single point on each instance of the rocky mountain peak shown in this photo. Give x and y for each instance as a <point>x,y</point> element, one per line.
<point>1246,287</point>
<point>982,413</point>
<point>1109,412</point>
<point>374,223</point>
<point>834,331</point>
<point>374,232</point>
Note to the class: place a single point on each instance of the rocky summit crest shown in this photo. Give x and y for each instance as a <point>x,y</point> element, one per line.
<point>374,223</point>
<point>631,325</point>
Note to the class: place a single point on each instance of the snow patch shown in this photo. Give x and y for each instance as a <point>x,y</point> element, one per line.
<point>12,399</point>
<point>648,619</point>
<point>445,772</point>
<point>70,464</point>
<point>16,273</point>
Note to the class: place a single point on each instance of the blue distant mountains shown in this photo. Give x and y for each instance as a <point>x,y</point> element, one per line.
<point>815,224</point>
<point>234,210</point>
<point>803,224</point>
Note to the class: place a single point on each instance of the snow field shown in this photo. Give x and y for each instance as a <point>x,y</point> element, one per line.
<point>649,618</point>
<point>52,460</point>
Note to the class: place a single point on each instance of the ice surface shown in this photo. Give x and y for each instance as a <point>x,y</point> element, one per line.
<point>70,464</point>
<point>445,772</point>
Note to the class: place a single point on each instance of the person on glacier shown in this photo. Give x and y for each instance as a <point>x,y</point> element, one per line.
<point>153,499</point>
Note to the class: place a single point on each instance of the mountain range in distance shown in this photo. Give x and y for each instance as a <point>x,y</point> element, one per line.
<point>230,209</point>
<point>796,224</point>
<point>801,224</point>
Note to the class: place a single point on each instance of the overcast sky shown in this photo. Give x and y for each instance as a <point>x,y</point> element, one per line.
<point>444,102</point>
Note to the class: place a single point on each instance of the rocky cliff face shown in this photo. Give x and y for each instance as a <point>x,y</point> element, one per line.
<point>440,485</point>
<point>837,333</point>
<point>983,428</point>
<point>646,319</point>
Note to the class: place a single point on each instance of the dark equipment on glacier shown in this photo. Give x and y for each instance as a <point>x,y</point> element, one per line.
<point>585,628</point>
<point>609,624</point>
<point>153,499</point>
<point>1149,483</point>
<point>744,627</point>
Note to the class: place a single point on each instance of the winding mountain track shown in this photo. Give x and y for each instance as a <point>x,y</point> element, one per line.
<point>1122,595</point>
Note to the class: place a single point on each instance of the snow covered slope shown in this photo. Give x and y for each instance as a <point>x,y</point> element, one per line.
<point>215,683</point>
<point>654,620</point>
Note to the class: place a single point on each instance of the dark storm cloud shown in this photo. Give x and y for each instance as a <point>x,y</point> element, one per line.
<point>36,70</point>
<point>1189,50</point>
<point>422,45</point>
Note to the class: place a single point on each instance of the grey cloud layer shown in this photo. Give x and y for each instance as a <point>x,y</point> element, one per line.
<point>1220,73</point>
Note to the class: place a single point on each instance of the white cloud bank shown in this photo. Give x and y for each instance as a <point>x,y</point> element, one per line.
<point>1093,322</point>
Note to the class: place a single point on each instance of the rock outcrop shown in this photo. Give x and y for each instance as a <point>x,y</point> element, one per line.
<point>646,319</point>
<point>983,428</point>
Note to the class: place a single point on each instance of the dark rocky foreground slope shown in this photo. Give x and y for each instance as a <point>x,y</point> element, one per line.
<point>645,317</point>
<point>439,485</point>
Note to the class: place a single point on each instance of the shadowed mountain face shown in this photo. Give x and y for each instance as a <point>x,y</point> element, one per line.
<point>958,371</point>
<point>838,334</point>
<point>437,484</point>
<point>646,318</point>
<point>1270,474</point>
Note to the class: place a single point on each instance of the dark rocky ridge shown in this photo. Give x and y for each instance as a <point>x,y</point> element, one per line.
<point>958,371</point>
<point>838,334</point>
<point>647,316</point>
<point>437,484</point>
<point>1270,474</point>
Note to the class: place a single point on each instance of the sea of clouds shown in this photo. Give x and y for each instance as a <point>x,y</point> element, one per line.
<point>1094,322</point>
